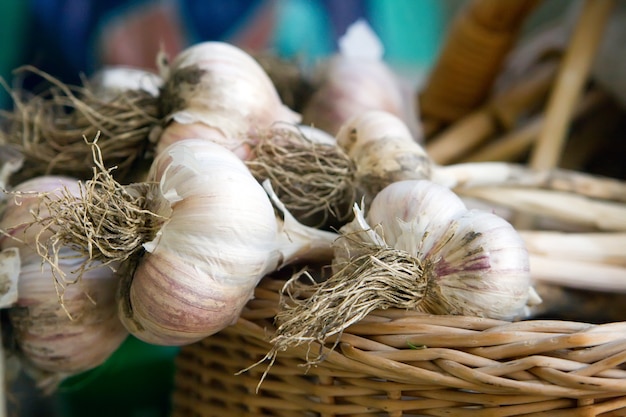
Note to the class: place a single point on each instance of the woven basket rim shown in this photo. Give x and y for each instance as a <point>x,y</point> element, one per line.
<point>528,357</point>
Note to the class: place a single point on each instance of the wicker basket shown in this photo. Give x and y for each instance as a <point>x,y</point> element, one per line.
<point>403,363</point>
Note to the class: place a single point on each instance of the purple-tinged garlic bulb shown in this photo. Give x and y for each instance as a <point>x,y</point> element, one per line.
<point>219,89</point>
<point>65,318</point>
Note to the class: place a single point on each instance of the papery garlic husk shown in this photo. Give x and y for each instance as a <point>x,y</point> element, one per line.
<point>218,86</point>
<point>220,238</point>
<point>311,175</point>
<point>110,81</point>
<point>383,150</point>
<point>418,249</point>
<point>65,319</point>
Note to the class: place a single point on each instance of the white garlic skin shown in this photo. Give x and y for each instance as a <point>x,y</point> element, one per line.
<point>217,243</point>
<point>219,86</point>
<point>110,81</point>
<point>480,262</point>
<point>383,150</point>
<point>47,337</point>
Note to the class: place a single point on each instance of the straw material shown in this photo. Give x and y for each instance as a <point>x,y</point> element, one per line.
<point>477,43</point>
<point>403,363</point>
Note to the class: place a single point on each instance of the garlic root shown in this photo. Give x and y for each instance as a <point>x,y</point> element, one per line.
<point>48,129</point>
<point>310,174</point>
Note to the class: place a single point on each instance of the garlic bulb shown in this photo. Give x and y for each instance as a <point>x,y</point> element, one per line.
<point>419,248</point>
<point>356,80</point>
<point>219,87</point>
<point>62,324</point>
<point>220,237</point>
<point>479,263</point>
<point>383,150</point>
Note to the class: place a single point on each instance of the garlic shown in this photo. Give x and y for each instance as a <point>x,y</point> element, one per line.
<point>356,80</point>
<point>220,237</point>
<point>479,262</point>
<point>383,150</point>
<point>65,318</point>
<point>419,248</point>
<point>220,87</point>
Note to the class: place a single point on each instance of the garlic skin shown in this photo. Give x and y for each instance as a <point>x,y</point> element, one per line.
<point>383,150</point>
<point>220,237</point>
<point>57,337</point>
<point>475,262</point>
<point>220,86</point>
<point>110,81</point>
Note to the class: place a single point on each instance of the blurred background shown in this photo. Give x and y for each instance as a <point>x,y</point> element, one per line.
<point>67,38</point>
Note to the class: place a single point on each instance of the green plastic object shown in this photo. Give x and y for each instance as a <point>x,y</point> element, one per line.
<point>136,381</point>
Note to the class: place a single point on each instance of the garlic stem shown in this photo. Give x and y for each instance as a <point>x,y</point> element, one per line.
<point>467,175</point>
<point>603,248</point>
<point>577,209</point>
<point>574,273</point>
<point>297,242</point>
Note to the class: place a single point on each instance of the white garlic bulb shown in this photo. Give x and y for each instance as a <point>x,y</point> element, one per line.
<point>217,87</point>
<point>356,80</point>
<point>220,237</point>
<point>69,336</point>
<point>476,263</point>
<point>62,325</point>
<point>383,150</point>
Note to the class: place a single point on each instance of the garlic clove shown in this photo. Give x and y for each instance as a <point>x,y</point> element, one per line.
<point>171,303</point>
<point>416,205</point>
<point>483,269</point>
<point>23,205</point>
<point>357,80</point>
<point>69,337</point>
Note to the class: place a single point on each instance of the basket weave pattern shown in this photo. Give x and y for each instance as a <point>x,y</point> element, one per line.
<point>403,363</point>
